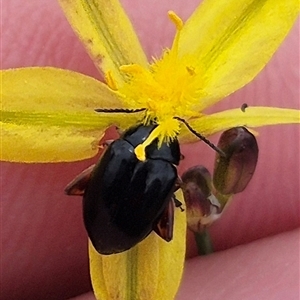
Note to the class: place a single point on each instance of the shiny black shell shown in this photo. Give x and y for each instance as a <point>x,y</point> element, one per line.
<point>125,197</point>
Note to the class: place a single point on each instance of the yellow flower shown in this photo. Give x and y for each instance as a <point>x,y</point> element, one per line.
<point>50,112</point>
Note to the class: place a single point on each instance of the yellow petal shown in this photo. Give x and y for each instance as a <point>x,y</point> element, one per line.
<point>252,117</point>
<point>151,270</point>
<point>227,42</point>
<point>106,32</point>
<point>47,115</point>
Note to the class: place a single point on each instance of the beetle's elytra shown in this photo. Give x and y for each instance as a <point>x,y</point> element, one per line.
<point>125,198</point>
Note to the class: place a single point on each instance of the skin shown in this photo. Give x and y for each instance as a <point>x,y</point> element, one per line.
<point>44,244</point>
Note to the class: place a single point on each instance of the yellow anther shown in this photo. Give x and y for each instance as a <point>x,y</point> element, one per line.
<point>140,152</point>
<point>175,19</point>
<point>131,69</point>
<point>191,71</point>
<point>110,81</point>
<point>179,24</point>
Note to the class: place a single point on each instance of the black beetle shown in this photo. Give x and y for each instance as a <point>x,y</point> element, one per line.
<point>124,198</point>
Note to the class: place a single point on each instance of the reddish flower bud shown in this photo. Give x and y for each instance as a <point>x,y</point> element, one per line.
<point>233,172</point>
<point>202,207</point>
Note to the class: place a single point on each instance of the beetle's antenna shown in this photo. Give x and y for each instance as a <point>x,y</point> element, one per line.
<point>201,137</point>
<point>119,110</point>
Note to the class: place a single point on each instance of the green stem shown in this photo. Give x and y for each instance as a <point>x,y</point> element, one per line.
<point>203,241</point>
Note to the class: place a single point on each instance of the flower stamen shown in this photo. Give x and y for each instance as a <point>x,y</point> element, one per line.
<point>140,149</point>
<point>179,25</point>
<point>166,131</point>
<point>175,19</point>
<point>110,81</point>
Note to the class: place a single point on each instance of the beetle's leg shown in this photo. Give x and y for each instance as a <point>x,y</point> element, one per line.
<point>177,203</point>
<point>78,185</point>
<point>178,185</point>
<point>164,226</point>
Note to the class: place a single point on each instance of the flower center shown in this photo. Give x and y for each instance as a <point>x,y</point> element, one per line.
<point>167,89</point>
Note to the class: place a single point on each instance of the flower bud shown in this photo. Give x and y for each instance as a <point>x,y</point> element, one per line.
<point>233,172</point>
<point>202,207</point>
